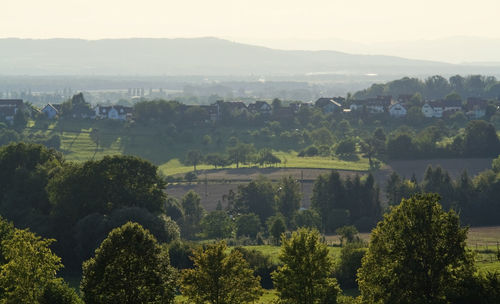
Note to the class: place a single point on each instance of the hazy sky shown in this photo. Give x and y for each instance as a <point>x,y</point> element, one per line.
<point>356,20</point>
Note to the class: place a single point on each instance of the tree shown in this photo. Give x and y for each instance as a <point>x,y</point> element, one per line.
<point>276,226</point>
<point>288,197</point>
<point>58,292</point>
<point>129,267</point>
<point>307,218</point>
<point>256,197</point>
<point>217,224</point>
<point>481,140</point>
<point>348,234</point>
<point>305,276</point>
<point>30,266</point>
<point>346,147</point>
<point>193,158</point>
<point>240,153</point>
<point>247,225</point>
<point>193,213</point>
<point>219,277</point>
<point>350,261</point>
<point>216,160</point>
<point>417,254</point>
<point>105,185</point>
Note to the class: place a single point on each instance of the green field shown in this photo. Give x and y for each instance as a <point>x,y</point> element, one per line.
<point>153,145</point>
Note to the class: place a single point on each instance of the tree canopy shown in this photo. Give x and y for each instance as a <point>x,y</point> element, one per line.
<point>305,277</point>
<point>129,267</point>
<point>417,254</point>
<point>219,277</point>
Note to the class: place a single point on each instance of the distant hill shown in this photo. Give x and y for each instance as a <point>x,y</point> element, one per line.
<point>197,56</point>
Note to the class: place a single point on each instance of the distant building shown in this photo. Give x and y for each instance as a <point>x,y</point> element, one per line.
<point>261,107</point>
<point>9,108</point>
<point>475,107</point>
<point>115,112</point>
<point>377,105</point>
<point>397,110</point>
<point>50,111</point>
<point>330,105</point>
<point>433,109</point>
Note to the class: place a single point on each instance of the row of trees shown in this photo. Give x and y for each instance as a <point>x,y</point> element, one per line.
<point>78,204</point>
<point>240,153</point>
<point>417,254</point>
<point>474,198</point>
<point>436,87</point>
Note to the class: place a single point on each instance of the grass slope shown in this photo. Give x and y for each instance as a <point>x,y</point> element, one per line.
<point>156,146</point>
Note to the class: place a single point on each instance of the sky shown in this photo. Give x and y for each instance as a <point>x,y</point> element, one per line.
<point>264,22</point>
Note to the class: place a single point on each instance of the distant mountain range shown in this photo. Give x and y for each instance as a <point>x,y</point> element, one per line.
<point>199,56</point>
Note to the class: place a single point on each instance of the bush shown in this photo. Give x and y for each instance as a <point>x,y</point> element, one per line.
<point>190,176</point>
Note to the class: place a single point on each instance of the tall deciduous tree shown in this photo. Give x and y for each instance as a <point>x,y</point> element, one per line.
<point>30,266</point>
<point>219,277</point>
<point>129,267</point>
<point>305,277</point>
<point>417,254</point>
<point>194,157</point>
<point>288,197</point>
<point>193,213</point>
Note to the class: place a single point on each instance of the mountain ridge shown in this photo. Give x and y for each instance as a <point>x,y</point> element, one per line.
<point>183,56</point>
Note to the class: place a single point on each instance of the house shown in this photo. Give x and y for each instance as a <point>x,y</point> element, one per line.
<point>115,112</point>
<point>329,105</point>
<point>427,110</point>
<point>234,107</point>
<point>380,104</point>
<point>283,113</point>
<point>433,109</point>
<point>51,110</point>
<point>213,111</point>
<point>261,107</point>
<point>451,106</point>
<point>397,110</point>
<point>475,107</point>
<point>9,108</point>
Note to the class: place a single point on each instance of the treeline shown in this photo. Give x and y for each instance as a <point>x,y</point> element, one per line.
<point>436,87</point>
<point>475,199</point>
<point>417,253</point>
<point>478,139</point>
<point>78,204</point>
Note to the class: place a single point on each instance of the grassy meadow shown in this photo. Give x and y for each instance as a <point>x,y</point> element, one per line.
<point>154,145</point>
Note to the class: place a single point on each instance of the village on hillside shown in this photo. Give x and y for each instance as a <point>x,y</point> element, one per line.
<point>473,108</point>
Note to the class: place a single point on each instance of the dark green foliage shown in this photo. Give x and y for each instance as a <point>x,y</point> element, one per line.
<point>256,197</point>
<point>193,213</point>
<point>307,219</point>
<point>180,253</point>
<point>217,225</point>
<point>288,197</point>
<point>25,171</point>
<point>349,263</point>
<point>341,202</point>
<point>193,158</point>
<point>275,227</point>
<point>58,292</point>
<point>481,140</point>
<point>345,147</point>
<point>347,234</point>
<point>421,246</point>
<point>248,225</point>
<point>261,265</point>
<point>128,267</point>
<point>106,185</point>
